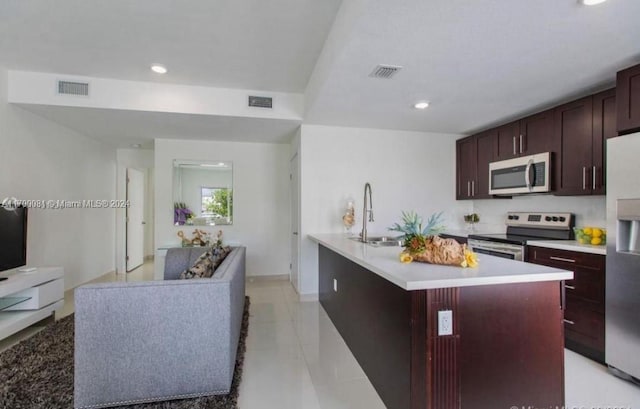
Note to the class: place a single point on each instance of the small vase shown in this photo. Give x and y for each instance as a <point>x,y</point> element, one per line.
<point>349,217</point>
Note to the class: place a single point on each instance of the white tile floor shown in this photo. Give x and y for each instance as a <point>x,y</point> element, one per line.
<point>296,359</point>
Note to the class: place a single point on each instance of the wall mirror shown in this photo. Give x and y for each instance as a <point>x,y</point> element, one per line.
<point>202,193</point>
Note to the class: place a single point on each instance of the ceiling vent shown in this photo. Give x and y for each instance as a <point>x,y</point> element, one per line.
<point>73,88</point>
<point>260,102</point>
<point>385,71</point>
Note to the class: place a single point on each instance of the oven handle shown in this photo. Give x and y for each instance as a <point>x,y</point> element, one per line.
<point>493,248</point>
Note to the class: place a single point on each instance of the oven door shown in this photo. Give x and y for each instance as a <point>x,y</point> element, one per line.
<point>510,251</point>
<point>526,174</point>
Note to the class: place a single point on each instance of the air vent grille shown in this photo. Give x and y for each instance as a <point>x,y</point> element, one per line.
<point>260,102</point>
<point>385,71</point>
<point>73,88</point>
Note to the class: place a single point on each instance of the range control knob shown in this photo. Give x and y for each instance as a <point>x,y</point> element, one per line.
<point>510,217</point>
<point>516,217</point>
<point>555,218</point>
<point>548,218</point>
<point>563,219</point>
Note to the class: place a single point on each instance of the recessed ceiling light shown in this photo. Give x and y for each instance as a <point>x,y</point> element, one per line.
<point>136,145</point>
<point>221,164</point>
<point>591,2</point>
<point>159,68</point>
<point>421,105</point>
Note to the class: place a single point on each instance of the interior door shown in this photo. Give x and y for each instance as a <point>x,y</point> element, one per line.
<point>135,219</point>
<point>295,223</point>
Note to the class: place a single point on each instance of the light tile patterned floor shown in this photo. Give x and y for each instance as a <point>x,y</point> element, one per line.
<point>296,359</point>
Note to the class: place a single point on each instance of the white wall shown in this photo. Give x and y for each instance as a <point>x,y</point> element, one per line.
<point>407,171</point>
<point>142,160</point>
<point>40,159</point>
<point>589,210</point>
<point>260,200</point>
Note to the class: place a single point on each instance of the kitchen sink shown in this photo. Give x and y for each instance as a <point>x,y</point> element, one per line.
<point>383,241</point>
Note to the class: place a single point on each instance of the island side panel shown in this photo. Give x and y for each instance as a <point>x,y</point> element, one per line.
<point>443,351</point>
<point>511,346</point>
<point>373,316</point>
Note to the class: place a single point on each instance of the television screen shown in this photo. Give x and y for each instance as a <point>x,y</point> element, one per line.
<point>13,237</point>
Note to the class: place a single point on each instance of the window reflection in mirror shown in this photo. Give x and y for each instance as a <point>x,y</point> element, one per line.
<point>202,193</point>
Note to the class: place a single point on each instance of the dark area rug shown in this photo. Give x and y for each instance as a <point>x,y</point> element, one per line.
<point>37,373</point>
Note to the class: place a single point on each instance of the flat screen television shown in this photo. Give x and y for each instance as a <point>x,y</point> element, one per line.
<point>13,237</point>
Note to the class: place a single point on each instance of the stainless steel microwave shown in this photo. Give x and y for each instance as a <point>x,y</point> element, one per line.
<point>526,174</point>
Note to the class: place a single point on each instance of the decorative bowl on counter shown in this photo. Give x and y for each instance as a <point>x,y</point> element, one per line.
<point>596,236</point>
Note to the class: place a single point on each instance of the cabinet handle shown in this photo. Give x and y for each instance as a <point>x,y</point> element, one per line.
<point>468,188</point>
<point>514,146</point>
<point>521,151</point>
<point>584,178</point>
<point>473,188</point>
<point>570,287</point>
<point>567,260</point>
<point>569,322</point>
<point>593,178</point>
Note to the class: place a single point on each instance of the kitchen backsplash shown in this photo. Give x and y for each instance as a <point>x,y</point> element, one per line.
<point>589,210</point>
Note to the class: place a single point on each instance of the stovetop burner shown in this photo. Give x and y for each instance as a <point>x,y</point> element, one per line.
<point>527,226</point>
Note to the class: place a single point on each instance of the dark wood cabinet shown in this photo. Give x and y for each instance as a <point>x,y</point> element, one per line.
<point>537,133</point>
<point>465,167</point>
<point>628,100</point>
<point>604,127</point>
<point>486,148</point>
<point>574,130</point>
<point>582,128</point>
<point>508,142</point>
<point>528,136</point>
<point>584,297</point>
<point>473,155</point>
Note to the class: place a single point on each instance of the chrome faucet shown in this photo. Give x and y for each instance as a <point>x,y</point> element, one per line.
<point>367,186</point>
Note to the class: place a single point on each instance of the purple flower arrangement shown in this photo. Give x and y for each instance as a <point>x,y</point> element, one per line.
<point>181,213</point>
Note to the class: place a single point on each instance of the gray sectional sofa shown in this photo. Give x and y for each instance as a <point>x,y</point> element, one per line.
<point>159,340</point>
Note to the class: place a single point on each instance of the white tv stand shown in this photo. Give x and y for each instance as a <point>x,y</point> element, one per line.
<point>35,295</point>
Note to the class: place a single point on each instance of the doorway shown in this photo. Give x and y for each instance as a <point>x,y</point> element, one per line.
<point>294,275</point>
<point>135,222</point>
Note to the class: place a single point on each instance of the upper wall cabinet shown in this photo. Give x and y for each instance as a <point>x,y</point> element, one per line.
<point>574,129</point>
<point>628,100</point>
<point>582,128</point>
<point>473,155</point>
<point>528,136</point>
<point>465,167</point>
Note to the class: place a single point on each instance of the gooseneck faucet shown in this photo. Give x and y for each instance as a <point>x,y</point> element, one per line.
<point>367,186</point>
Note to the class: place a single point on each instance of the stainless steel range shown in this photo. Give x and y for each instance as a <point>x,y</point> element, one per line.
<point>523,227</point>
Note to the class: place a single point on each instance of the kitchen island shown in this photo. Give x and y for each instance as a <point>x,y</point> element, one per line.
<point>505,348</point>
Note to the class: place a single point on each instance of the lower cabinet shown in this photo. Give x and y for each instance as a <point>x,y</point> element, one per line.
<point>584,298</point>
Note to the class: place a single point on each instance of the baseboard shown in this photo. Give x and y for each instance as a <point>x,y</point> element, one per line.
<point>149,257</point>
<point>279,277</point>
<point>308,297</point>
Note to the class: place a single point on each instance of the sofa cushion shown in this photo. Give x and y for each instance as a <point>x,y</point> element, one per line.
<point>218,254</point>
<point>202,268</point>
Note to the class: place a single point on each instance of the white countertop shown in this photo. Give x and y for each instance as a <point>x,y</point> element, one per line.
<point>385,262</point>
<point>570,245</point>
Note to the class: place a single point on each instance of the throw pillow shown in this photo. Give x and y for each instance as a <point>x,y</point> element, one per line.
<point>218,254</point>
<point>202,268</point>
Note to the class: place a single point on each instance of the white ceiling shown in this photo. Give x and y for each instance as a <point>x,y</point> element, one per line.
<point>478,62</point>
<point>253,44</point>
